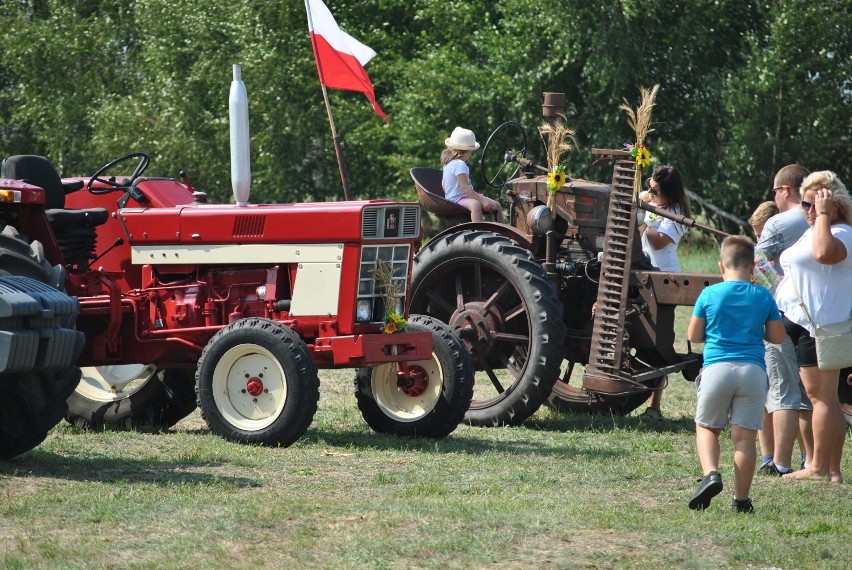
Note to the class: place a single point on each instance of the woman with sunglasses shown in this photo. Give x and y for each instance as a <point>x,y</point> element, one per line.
<point>818,268</point>
<point>660,235</point>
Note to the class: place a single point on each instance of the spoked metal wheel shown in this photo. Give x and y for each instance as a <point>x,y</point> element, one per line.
<point>429,397</point>
<point>497,298</point>
<point>131,395</point>
<point>257,383</point>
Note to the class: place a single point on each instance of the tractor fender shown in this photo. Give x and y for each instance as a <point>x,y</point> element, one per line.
<point>506,231</point>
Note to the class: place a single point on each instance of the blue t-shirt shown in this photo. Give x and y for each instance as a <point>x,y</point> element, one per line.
<point>735,313</point>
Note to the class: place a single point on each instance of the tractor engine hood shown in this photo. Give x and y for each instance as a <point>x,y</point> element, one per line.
<point>318,222</point>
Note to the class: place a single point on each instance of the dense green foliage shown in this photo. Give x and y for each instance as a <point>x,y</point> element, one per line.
<point>746,86</point>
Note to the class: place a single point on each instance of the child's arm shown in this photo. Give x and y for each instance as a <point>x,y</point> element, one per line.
<point>695,330</point>
<point>774,332</point>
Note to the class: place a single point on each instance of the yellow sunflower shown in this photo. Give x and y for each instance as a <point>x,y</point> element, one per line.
<point>394,322</point>
<point>556,179</point>
<point>643,157</point>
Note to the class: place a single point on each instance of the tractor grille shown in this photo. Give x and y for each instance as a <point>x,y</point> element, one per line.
<point>371,293</point>
<point>249,226</point>
<point>607,331</point>
<point>396,221</point>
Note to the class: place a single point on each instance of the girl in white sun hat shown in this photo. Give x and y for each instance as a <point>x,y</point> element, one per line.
<point>456,180</point>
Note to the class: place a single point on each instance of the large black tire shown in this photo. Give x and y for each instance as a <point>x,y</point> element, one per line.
<point>37,312</point>
<point>498,299</point>
<point>131,396</point>
<point>257,383</point>
<point>432,400</point>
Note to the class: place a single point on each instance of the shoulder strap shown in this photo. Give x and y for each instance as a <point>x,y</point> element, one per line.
<point>799,297</point>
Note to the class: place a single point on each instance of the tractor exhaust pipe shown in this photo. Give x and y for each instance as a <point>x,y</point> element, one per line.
<point>238,116</point>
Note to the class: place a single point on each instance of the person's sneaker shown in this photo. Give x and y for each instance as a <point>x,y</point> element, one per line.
<point>652,413</point>
<point>743,506</point>
<point>769,468</point>
<point>708,487</point>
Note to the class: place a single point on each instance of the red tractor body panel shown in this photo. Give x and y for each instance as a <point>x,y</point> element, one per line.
<point>170,271</point>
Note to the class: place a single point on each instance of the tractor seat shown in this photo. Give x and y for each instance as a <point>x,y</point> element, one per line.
<point>74,229</point>
<point>430,193</point>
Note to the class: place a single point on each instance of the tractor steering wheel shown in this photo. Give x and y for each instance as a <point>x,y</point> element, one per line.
<point>144,159</point>
<point>511,137</point>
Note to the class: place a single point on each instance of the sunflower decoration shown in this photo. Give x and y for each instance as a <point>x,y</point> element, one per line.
<point>555,179</point>
<point>394,322</point>
<point>558,139</point>
<point>641,155</point>
<point>640,121</point>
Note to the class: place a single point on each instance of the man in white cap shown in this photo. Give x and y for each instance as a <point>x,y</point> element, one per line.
<point>456,179</point>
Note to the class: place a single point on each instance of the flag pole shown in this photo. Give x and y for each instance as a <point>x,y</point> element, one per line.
<point>338,146</point>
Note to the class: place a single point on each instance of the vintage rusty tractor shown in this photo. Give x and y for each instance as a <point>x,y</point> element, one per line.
<point>229,307</point>
<point>521,295</point>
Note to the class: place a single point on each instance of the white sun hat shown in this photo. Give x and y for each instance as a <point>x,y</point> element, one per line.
<point>462,139</point>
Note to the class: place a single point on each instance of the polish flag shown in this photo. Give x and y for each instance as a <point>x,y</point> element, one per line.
<point>340,57</point>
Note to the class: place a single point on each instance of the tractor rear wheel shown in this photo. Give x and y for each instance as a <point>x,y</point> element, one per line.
<point>257,383</point>
<point>431,399</point>
<point>498,299</point>
<point>39,345</point>
<point>132,396</point>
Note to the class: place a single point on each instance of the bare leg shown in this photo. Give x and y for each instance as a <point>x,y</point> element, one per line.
<point>785,424</point>
<point>656,400</point>
<point>707,444</point>
<point>745,459</point>
<point>766,436</point>
<point>806,436</point>
<point>822,391</point>
<point>474,207</point>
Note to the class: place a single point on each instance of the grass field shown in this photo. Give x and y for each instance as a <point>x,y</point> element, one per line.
<point>562,491</point>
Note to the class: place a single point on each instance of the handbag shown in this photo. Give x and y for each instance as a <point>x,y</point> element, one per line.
<point>833,342</point>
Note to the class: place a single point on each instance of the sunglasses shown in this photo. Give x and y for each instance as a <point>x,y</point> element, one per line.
<point>806,206</point>
<point>776,189</point>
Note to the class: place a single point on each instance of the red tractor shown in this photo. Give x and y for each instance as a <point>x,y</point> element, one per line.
<point>231,308</point>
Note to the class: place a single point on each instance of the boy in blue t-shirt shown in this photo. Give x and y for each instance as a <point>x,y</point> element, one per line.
<point>732,318</point>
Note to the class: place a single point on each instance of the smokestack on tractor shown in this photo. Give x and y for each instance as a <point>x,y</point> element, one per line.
<point>238,115</point>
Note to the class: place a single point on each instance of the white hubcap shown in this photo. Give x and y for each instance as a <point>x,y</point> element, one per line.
<point>249,387</point>
<point>408,401</point>
<point>112,383</point>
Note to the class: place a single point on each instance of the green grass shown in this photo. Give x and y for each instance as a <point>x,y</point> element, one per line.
<point>562,491</point>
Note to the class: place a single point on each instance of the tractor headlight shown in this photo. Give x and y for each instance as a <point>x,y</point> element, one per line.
<point>363,310</point>
<point>539,220</point>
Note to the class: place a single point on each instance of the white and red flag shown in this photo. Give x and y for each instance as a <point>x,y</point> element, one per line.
<point>340,57</point>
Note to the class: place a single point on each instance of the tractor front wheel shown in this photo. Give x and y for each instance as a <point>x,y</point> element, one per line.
<point>257,383</point>
<point>429,398</point>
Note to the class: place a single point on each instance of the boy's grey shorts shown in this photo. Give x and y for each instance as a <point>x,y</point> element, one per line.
<point>786,391</point>
<point>731,393</point>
